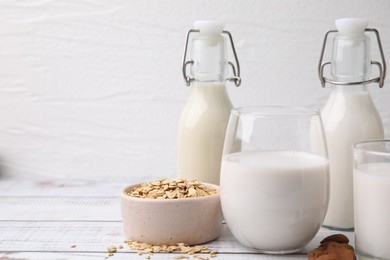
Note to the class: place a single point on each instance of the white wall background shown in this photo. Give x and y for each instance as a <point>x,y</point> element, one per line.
<point>93,89</point>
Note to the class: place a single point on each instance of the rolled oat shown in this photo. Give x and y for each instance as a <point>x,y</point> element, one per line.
<point>172,189</point>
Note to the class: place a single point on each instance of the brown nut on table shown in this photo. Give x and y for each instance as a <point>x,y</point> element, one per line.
<point>342,251</point>
<point>328,257</point>
<point>334,247</point>
<point>339,238</point>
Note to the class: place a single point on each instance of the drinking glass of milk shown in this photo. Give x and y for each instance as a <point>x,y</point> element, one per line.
<point>274,187</point>
<point>372,199</point>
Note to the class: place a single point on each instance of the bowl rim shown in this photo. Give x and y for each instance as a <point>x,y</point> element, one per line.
<point>124,196</point>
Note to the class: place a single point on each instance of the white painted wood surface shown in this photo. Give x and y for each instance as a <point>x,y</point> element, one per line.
<point>41,220</point>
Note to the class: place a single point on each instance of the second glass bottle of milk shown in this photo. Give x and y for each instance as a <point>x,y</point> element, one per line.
<point>202,125</point>
<point>349,115</point>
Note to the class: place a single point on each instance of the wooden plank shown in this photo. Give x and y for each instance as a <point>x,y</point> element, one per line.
<point>59,209</point>
<point>76,209</point>
<point>40,219</point>
<point>97,236</point>
<point>59,236</point>
<point>133,256</point>
<point>59,188</point>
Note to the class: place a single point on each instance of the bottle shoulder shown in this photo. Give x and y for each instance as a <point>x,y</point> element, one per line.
<point>354,103</point>
<point>353,114</point>
<point>210,95</point>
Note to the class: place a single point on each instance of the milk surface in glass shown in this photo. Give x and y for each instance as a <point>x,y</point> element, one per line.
<point>269,199</point>
<point>372,209</point>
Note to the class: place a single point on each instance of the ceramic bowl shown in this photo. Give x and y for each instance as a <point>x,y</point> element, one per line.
<point>170,221</point>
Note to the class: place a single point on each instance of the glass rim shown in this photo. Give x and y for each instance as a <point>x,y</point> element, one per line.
<point>275,111</point>
<point>364,147</point>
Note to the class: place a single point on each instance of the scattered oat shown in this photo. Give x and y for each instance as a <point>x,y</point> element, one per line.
<point>120,246</point>
<point>201,257</point>
<point>148,250</point>
<point>111,249</point>
<point>171,189</point>
<point>73,246</point>
<point>184,250</point>
<point>197,249</point>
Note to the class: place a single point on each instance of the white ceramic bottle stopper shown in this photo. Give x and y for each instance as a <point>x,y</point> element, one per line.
<point>351,25</point>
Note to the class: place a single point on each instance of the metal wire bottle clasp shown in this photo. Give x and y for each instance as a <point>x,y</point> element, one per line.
<point>382,67</point>
<point>235,67</point>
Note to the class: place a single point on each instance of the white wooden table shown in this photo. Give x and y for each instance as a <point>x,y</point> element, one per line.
<point>43,219</point>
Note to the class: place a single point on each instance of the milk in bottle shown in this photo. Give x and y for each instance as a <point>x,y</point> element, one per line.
<point>349,116</point>
<point>203,121</point>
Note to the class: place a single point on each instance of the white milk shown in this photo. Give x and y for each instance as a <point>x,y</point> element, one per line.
<point>274,201</point>
<point>372,209</point>
<point>201,132</point>
<point>349,117</point>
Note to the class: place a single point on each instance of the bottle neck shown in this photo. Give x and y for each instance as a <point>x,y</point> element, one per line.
<point>351,59</point>
<point>339,89</point>
<point>208,85</point>
<point>210,58</point>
